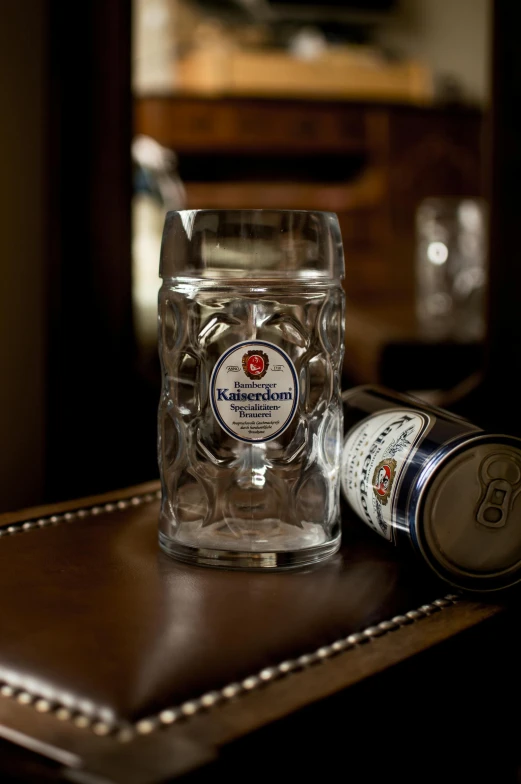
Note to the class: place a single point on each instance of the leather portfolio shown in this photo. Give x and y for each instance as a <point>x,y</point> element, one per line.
<point>119,664</point>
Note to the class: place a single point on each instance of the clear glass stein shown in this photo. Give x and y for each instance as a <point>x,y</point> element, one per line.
<point>251,340</point>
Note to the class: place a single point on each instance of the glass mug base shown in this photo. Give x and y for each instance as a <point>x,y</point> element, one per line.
<point>269,560</point>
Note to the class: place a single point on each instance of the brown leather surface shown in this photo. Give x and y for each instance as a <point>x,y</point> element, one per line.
<point>92,609</point>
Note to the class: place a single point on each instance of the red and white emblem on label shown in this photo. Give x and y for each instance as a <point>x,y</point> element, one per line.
<point>255,364</point>
<point>383,478</point>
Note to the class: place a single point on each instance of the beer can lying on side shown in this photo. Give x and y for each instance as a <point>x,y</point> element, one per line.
<point>423,476</point>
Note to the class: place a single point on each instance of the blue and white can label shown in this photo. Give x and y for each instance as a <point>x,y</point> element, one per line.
<point>375,456</point>
<point>254,391</point>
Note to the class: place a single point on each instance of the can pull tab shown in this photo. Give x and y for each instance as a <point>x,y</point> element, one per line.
<point>501,477</point>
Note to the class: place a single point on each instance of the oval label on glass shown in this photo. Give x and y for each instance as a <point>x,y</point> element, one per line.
<point>254,391</point>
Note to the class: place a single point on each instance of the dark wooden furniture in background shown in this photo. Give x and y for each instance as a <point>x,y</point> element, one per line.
<point>370,164</point>
<point>100,434</point>
<point>500,390</point>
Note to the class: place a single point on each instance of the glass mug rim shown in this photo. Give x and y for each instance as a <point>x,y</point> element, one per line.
<point>263,244</point>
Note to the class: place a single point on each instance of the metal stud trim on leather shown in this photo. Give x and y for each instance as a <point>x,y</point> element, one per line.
<point>124,731</point>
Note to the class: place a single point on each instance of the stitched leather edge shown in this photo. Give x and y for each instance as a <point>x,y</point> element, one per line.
<point>79,514</point>
<point>124,731</point>
<point>264,677</point>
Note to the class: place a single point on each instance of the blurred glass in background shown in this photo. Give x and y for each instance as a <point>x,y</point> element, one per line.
<point>157,189</point>
<point>451,268</point>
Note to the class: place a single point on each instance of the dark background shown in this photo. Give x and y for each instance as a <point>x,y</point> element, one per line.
<point>77,401</point>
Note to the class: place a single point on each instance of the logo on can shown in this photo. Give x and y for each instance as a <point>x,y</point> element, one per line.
<point>383,478</point>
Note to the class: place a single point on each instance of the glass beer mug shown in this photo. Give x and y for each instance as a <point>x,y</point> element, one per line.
<point>251,340</point>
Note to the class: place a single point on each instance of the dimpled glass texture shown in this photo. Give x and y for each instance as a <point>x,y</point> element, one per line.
<point>230,277</point>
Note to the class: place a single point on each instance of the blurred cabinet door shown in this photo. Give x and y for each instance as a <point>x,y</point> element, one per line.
<point>370,164</point>
<point>99,434</point>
